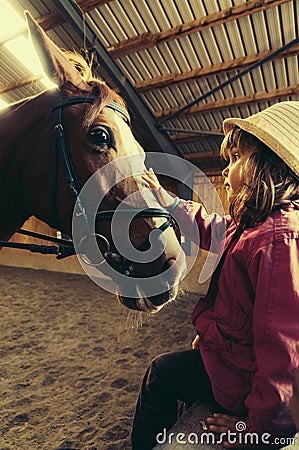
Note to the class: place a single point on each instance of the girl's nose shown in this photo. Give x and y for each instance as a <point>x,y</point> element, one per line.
<point>225,171</point>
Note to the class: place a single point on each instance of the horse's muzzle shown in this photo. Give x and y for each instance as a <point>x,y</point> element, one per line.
<point>150,305</point>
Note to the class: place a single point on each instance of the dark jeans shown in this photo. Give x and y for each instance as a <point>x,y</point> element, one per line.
<point>170,377</point>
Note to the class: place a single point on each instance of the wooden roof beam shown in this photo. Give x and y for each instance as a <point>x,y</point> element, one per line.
<point>88,5</point>
<point>188,137</point>
<point>20,83</point>
<point>147,40</point>
<point>55,18</point>
<point>202,156</point>
<point>211,172</point>
<point>233,102</point>
<point>216,69</point>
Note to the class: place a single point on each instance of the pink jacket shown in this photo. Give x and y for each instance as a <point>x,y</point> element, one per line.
<point>249,329</point>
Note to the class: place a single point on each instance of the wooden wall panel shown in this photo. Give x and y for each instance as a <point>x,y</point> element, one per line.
<point>204,190</point>
<point>24,258</point>
<point>36,225</point>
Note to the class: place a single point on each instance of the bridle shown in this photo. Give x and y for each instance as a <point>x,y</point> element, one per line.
<point>65,247</point>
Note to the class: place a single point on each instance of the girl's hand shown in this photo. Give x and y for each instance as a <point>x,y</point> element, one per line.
<point>223,423</point>
<point>150,177</point>
<point>165,199</point>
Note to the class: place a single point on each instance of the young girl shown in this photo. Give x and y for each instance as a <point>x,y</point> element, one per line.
<point>248,324</point>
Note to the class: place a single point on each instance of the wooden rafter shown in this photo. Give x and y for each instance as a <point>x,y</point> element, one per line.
<point>20,83</point>
<point>211,172</point>
<point>216,69</point>
<point>88,5</point>
<point>202,156</point>
<point>147,40</point>
<point>209,167</point>
<point>232,102</point>
<point>55,18</point>
<point>51,20</point>
<point>188,137</point>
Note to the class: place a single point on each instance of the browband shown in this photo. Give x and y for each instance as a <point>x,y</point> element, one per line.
<point>63,102</point>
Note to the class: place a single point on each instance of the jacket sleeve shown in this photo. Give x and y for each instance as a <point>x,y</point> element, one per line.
<point>208,231</point>
<point>274,274</point>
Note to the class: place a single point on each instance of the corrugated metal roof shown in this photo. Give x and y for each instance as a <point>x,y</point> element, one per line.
<point>223,39</point>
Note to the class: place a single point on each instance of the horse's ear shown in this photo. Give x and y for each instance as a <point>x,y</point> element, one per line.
<point>55,64</point>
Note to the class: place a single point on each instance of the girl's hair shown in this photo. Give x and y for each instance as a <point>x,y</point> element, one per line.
<point>267,182</point>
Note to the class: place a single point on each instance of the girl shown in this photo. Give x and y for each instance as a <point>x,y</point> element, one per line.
<point>244,356</point>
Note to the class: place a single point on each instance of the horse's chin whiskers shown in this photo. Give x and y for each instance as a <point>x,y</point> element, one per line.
<point>134,320</point>
<point>175,293</point>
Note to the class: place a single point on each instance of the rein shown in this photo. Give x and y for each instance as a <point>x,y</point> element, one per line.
<point>65,247</point>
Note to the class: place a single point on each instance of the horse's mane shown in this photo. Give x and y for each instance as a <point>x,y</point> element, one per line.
<point>80,64</point>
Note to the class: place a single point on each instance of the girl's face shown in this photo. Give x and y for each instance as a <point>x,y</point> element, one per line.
<point>233,172</point>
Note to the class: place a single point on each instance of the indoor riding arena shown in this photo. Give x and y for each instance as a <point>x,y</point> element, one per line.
<point>148,82</point>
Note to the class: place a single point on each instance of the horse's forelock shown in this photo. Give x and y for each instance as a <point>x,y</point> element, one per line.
<point>104,95</point>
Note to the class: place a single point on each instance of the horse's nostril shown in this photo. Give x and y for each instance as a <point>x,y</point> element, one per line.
<point>160,299</point>
<point>130,303</point>
<point>168,264</point>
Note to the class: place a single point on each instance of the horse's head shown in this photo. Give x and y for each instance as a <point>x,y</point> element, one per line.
<point>93,140</point>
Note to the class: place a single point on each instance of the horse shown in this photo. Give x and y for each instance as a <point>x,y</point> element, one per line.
<point>53,143</point>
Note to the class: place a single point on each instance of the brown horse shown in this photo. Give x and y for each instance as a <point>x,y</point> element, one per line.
<point>51,144</point>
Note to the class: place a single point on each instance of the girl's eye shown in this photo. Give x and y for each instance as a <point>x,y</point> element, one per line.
<point>235,156</point>
<point>101,137</point>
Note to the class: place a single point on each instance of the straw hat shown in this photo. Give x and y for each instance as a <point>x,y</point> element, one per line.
<point>277,127</point>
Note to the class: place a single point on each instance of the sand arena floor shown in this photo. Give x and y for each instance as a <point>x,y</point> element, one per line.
<point>72,360</point>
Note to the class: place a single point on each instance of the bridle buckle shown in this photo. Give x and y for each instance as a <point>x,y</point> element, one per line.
<point>93,250</point>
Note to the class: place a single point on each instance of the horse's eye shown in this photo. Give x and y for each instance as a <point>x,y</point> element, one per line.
<point>101,137</point>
